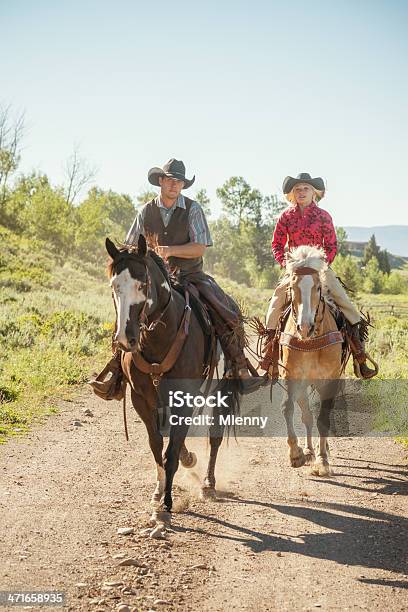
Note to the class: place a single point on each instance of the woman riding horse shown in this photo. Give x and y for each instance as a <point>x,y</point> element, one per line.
<point>305,223</point>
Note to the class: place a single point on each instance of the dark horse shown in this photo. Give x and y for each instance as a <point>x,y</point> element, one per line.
<point>149,312</point>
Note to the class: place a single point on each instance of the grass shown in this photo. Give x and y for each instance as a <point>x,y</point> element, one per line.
<point>253,302</point>
<point>55,329</point>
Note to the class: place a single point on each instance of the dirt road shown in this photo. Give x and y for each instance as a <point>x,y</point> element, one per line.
<point>278,538</point>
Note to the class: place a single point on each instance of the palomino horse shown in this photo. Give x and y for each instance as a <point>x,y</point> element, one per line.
<point>311,352</point>
<point>154,327</point>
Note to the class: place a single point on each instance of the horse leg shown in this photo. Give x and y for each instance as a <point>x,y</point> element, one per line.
<point>327,399</point>
<point>154,438</point>
<point>177,437</point>
<point>147,414</point>
<point>307,420</point>
<point>216,436</point>
<point>296,456</point>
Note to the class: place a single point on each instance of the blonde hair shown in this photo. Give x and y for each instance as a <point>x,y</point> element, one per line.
<point>317,195</point>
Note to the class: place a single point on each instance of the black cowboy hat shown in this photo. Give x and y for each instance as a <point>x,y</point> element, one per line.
<point>174,168</point>
<point>303,177</point>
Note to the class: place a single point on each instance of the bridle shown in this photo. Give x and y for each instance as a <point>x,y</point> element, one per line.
<point>145,324</point>
<point>155,370</point>
<point>312,342</point>
<point>143,317</point>
<point>303,271</point>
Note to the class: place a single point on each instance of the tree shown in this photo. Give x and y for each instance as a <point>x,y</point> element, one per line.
<point>272,209</point>
<point>145,196</point>
<point>238,199</point>
<point>383,261</point>
<point>374,279</point>
<point>245,255</point>
<point>11,135</point>
<point>229,254</point>
<point>342,248</point>
<point>396,283</point>
<point>78,174</point>
<point>202,198</point>
<point>19,200</point>
<point>102,214</point>
<point>371,250</point>
<point>381,255</point>
<point>47,215</point>
<point>346,267</point>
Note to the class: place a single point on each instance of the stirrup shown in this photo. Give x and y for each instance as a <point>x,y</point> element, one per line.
<point>109,383</point>
<point>357,368</point>
<point>248,385</point>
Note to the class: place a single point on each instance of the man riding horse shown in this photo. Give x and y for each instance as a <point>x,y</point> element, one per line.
<point>305,223</point>
<point>179,233</point>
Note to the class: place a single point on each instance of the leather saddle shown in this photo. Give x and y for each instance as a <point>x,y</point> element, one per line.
<point>197,306</point>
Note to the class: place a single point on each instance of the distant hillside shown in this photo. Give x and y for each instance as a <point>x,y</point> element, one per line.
<point>394,238</point>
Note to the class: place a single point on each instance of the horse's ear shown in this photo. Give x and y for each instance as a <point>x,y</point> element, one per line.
<point>141,245</point>
<point>111,248</point>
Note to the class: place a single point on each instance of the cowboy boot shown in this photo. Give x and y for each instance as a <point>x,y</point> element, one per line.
<point>357,347</point>
<point>113,386</point>
<point>233,352</point>
<point>270,358</point>
<point>248,382</point>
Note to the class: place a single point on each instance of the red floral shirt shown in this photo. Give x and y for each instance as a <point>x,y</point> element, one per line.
<point>314,228</point>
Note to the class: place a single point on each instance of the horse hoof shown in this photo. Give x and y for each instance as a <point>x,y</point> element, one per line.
<point>208,493</point>
<point>310,457</point>
<point>190,461</point>
<point>321,468</point>
<point>158,533</point>
<point>296,461</point>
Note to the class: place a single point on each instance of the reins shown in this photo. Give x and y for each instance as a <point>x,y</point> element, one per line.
<point>156,370</point>
<point>143,318</point>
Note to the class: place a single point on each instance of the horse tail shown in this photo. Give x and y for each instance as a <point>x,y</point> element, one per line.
<point>230,389</point>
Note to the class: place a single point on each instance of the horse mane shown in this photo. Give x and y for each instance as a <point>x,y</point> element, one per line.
<point>160,262</point>
<point>132,250</point>
<point>306,257</point>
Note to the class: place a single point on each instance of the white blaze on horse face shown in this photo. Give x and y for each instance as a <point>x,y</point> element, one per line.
<point>306,315</point>
<point>127,291</point>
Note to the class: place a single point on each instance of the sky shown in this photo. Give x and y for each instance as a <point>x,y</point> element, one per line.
<point>259,89</point>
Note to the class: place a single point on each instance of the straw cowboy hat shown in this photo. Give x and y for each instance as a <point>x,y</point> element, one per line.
<point>173,168</point>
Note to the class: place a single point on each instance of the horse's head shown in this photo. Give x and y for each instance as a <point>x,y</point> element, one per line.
<point>305,288</point>
<point>304,266</point>
<point>135,290</point>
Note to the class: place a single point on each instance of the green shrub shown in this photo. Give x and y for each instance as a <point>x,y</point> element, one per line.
<point>374,279</point>
<point>395,283</point>
<point>7,395</point>
<point>345,266</point>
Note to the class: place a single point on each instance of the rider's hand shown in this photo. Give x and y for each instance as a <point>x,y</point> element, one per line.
<point>163,251</point>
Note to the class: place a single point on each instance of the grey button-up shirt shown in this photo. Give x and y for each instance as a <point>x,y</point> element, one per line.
<point>198,227</point>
